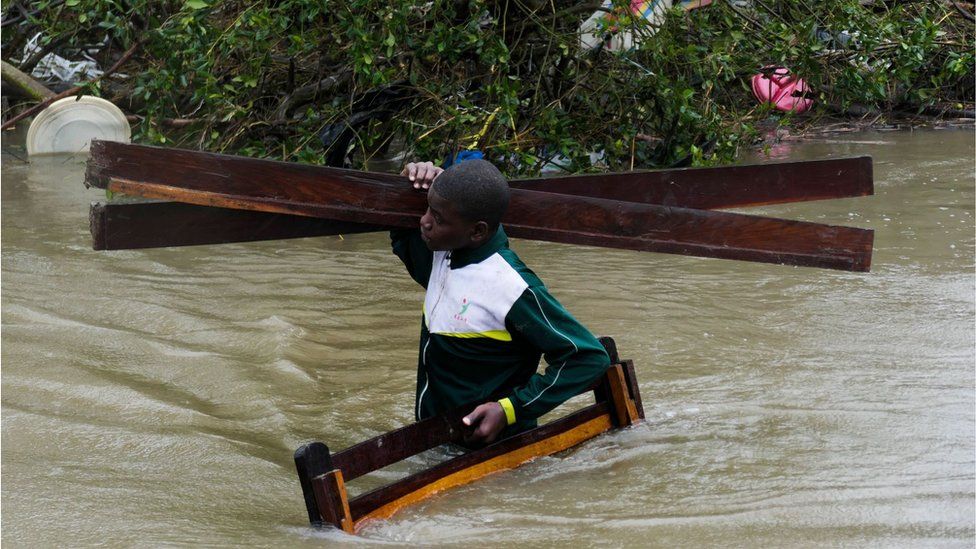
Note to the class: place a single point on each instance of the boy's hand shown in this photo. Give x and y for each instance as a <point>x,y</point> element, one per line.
<point>421,174</point>
<point>487,421</point>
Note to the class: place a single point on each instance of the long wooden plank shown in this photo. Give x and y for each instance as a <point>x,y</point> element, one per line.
<point>700,188</point>
<point>118,226</point>
<point>391,447</point>
<point>505,454</point>
<point>134,225</point>
<point>382,199</point>
<point>725,186</point>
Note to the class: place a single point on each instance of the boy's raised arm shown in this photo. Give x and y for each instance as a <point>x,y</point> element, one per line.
<point>406,243</point>
<point>416,257</point>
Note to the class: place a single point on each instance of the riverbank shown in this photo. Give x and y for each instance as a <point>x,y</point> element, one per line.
<point>773,133</point>
<point>292,82</point>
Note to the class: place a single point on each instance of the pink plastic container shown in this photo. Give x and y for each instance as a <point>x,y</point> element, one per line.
<point>776,86</point>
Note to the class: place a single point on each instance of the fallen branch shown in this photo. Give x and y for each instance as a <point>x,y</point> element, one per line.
<point>72,91</point>
<point>168,122</point>
<point>24,83</point>
<point>963,11</point>
<point>25,15</point>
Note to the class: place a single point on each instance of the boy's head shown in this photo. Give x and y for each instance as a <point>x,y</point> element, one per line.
<point>465,205</point>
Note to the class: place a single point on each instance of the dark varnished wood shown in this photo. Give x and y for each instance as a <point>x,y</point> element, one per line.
<point>632,386</point>
<point>330,503</point>
<point>312,460</point>
<point>610,346</point>
<point>683,231</point>
<point>127,226</point>
<point>133,225</point>
<point>332,500</point>
<point>366,503</point>
<point>700,188</point>
<point>391,447</point>
<point>382,199</point>
<point>725,186</point>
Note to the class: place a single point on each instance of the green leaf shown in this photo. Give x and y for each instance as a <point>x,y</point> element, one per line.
<point>72,3</point>
<point>197,4</point>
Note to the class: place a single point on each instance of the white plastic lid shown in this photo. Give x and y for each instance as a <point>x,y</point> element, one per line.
<point>68,125</point>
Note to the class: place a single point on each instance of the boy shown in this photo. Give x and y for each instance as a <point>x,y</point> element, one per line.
<point>487,317</point>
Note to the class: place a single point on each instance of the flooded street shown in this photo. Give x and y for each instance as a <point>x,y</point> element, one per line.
<point>155,397</point>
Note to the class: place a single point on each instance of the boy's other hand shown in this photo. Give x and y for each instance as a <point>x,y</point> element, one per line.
<point>421,174</point>
<point>486,422</point>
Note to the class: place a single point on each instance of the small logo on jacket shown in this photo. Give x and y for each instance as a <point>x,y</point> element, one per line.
<point>464,308</point>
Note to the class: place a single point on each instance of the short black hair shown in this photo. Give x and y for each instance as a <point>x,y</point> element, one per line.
<point>476,189</point>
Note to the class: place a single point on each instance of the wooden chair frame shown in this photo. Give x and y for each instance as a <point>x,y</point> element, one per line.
<point>323,475</point>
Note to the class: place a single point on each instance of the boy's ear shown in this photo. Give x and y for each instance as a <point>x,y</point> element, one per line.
<point>479,232</point>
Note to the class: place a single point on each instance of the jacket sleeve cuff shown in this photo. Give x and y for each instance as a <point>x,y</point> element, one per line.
<point>509,410</point>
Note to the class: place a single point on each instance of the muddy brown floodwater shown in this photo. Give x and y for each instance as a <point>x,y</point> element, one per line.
<point>155,397</point>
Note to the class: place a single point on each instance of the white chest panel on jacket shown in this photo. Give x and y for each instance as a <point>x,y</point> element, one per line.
<point>471,301</point>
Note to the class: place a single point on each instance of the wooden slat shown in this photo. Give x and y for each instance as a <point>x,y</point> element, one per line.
<point>127,226</point>
<point>312,460</point>
<point>278,187</point>
<point>391,447</point>
<point>505,454</point>
<point>130,226</point>
<point>700,188</point>
<point>332,500</point>
<point>632,386</point>
<point>725,186</point>
<point>625,411</point>
<point>611,224</point>
<point>156,224</point>
<point>509,460</point>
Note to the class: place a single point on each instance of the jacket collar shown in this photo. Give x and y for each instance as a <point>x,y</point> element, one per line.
<point>462,258</point>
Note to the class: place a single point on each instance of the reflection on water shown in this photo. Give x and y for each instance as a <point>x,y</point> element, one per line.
<point>156,396</point>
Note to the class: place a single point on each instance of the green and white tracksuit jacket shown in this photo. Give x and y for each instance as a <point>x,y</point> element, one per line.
<point>487,321</point>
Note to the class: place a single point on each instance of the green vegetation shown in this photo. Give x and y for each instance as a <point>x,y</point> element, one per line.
<point>265,78</point>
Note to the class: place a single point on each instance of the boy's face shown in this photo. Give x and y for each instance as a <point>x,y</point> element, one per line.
<point>443,228</point>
